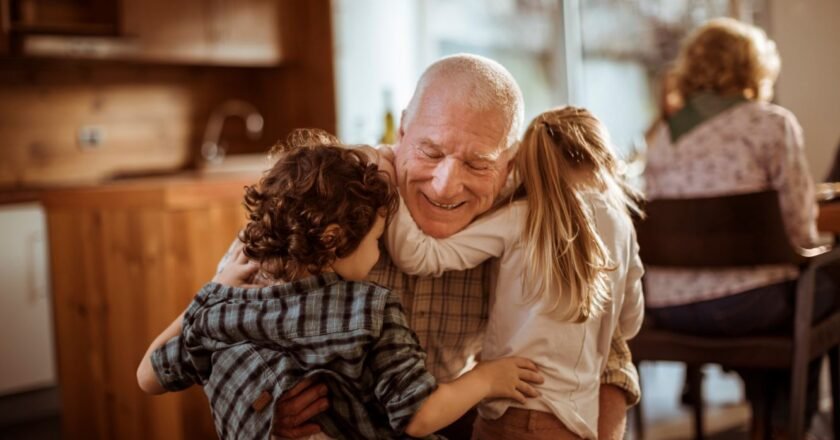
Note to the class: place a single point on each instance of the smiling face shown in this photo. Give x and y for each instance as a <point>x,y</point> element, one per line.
<point>451,162</point>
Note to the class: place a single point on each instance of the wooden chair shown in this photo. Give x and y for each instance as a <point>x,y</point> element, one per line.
<point>740,230</point>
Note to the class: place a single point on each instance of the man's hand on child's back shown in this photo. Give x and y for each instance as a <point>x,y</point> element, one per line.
<point>510,378</point>
<point>295,407</point>
<point>239,271</point>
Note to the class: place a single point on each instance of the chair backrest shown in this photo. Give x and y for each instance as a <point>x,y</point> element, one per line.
<point>736,230</point>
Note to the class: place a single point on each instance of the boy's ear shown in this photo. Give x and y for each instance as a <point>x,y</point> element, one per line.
<point>331,236</point>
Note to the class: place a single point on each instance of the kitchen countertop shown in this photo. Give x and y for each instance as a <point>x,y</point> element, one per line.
<point>14,196</point>
<point>178,189</point>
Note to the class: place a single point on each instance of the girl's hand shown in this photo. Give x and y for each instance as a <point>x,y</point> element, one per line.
<point>239,270</point>
<point>510,378</point>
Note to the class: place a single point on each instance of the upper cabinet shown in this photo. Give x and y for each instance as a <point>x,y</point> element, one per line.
<point>5,24</point>
<point>199,32</point>
<point>63,17</point>
<point>242,32</point>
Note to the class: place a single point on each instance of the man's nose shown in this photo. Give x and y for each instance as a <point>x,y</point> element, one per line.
<point>448,181</point>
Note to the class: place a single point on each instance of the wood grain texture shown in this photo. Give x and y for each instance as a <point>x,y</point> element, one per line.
<point>152,118</point>
<point>5,26</point>
<point>829,218</point>
<point>302,94</point>
<point>153,115</point>
<point>121,273</point>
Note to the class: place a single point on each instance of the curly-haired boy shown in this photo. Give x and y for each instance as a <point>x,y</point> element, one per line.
<point>314,223</point>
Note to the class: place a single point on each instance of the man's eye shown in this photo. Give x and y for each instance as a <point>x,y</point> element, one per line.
<point>431,154</point>
<point>480,166</point>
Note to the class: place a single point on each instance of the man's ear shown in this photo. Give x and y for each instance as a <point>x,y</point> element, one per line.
<point>401,131</point>
<point>331,236</point>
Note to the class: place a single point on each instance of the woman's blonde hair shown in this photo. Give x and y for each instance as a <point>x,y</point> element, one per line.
<point>568,262</point>
<point>728,57</point>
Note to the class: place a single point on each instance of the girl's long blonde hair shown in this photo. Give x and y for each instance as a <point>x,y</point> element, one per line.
<point>563,151</point>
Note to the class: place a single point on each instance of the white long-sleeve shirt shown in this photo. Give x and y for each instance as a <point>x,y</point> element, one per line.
<point>570,356</point>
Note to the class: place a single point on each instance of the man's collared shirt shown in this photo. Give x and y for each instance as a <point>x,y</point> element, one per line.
<point>449,315</point>
<point>249,346</point>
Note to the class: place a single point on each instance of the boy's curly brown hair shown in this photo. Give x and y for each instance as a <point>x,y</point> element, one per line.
<point>315,182</point>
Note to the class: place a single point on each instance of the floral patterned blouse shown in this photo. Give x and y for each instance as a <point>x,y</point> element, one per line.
<point>751,147</point>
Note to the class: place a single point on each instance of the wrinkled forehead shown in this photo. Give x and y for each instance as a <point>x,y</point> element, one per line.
<point>457,128</point>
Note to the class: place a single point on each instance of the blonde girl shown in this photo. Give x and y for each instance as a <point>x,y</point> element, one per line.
<point>569,272</point>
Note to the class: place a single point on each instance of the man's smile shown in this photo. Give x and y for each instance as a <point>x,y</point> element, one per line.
<point>445,206</point>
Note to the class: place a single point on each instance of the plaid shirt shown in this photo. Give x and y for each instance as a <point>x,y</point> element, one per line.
<point>249,346</point>
<point>449,315</point>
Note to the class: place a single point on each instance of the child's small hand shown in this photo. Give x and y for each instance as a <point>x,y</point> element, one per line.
<point>239,270</point>
<point>510,378</point>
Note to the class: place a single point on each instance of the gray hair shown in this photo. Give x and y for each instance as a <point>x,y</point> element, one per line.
<point>481,83</point>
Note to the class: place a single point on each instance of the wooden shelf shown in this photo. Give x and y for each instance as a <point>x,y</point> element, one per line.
<point>91,29</point>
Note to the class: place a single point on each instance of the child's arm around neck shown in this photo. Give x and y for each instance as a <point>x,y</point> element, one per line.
<point>416,253</point>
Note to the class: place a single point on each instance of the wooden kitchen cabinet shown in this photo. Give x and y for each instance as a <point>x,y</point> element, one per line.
<point>167,31</point>
<point>126,259</point>
<point>66,17</point>
<point>5,27</point>
<point>204,32</point>
<point>243,33</point>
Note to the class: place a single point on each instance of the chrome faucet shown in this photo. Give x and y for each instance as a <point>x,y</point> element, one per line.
<point>212,150</point>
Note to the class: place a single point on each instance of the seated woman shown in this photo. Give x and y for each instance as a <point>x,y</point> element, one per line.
<point>728,139</point>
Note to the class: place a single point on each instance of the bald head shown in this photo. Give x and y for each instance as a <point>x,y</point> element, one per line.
<point>456,141</point>
<point>477,83</point>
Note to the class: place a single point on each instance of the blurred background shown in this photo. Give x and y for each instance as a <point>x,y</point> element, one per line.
<point>129,128</point>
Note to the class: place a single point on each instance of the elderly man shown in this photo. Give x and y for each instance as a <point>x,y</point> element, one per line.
<point>452,158</point>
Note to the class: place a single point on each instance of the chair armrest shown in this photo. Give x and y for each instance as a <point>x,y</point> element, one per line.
<point>805,294</point>
<point>814,252</point>
<point>823,256</point>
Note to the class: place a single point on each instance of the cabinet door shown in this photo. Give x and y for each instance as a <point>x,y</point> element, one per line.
<point>167,31</point>
<point>5,26</point>
<point>26,336</point>
<point>66,17</point>
<point>244,32</point>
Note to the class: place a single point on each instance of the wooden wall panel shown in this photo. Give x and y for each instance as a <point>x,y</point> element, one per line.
<point>302,94</point>
<point>153,116</point>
